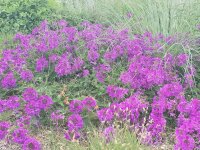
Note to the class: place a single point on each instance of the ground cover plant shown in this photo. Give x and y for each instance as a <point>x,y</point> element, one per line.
<point>128,80</point>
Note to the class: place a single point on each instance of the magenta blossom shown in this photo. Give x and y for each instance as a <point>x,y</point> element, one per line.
<point>76,106</point>
<point>75,122</point>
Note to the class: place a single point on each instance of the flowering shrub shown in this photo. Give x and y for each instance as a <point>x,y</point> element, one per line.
<point>147,91</point>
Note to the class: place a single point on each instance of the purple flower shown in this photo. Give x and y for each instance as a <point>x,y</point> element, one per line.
<point>76,106</point>
<point>86,73</point>
<point>45,102</point>
<point>31,144</point>
<point>26,75</point>
<point>53,58</point>
<point>182,59</point>
<point>104,68</point>
<point>93,56</point>
<point>75,122</point>
<point>63,67</point>
<point>184,141</point>
<point>72,135</point>
<point>19,135</point>
<point>32,109</point>
<point>116,92</point>
<point>105,114</point>
<point>30,94</point>
<point>189,79</point>
<point>78,63</point>
<point>8,81</point>
<point>100,76</point>
<point>108,133</point>
<point>4,129</point>
<point>89,103</point>
<point>13,102</point>
<point>41,64</point>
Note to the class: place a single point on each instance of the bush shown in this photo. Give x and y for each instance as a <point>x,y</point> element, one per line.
<point>93,75</point>
<point>24,15</point>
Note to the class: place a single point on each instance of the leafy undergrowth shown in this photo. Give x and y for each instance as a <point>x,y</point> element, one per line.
<point>93,76</point>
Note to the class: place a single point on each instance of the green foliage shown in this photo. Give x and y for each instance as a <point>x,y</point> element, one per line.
<point>24,15</point>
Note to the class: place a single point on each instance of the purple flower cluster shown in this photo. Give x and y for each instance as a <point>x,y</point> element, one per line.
<point>4,126</point>
<point>34,102</point>
<point>101,71</point>
<point>126,111</point>
<point>77,106</point>
<point>116,92</point>
<point>75,122</point>
<point>41,64</point>
<point>188,129</point>
<point>9,81</point>
<point>31,144</point>
<point>26,75</point>
<point>145,67</point>
<point>89,103</point>
<point>146,72</point>
<point>20,135</point>
<point>11,103</point>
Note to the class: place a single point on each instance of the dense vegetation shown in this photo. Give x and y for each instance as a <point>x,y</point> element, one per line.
<point>118,81</point>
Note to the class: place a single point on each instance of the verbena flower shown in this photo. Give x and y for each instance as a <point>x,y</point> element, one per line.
<point>89,103</point>
<point>31,144</point>
<point>75,122</point>
<point>105,114</point>
<point>86,73</point>
<point>30,94</point>
<point>77,64</point>
<point>182,59</point>
<point>32,109</point>
<point>4,126</point>
<point>19,135</point>
<point>116,92</point>
<point>41,64</point>
<point>184,141</point>
<point>26,75</point>
<point>53,58</point>
<point>76,106</point>
<point>9,81</point>
<point>13,102</point>
<point>45,102</point>
<point>93,56</point>
<point>63,67</point>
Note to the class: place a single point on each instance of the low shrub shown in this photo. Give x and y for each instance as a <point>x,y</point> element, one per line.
<point>93,75</point>
<point>24,15</point>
